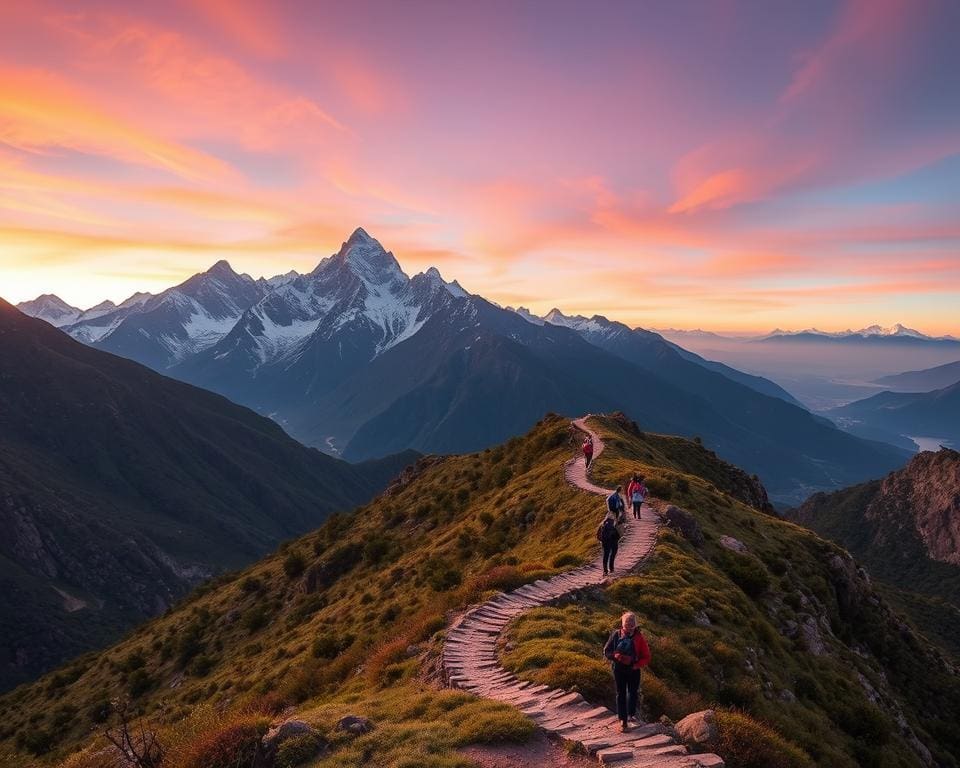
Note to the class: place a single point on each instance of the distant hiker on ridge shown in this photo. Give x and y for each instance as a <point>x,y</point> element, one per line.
<point>587,452</point>
<point>628,652</point>
<point>636,492</point>
<point>609,537</point>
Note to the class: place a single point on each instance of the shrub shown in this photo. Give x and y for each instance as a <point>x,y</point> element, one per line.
<point>255,618</point>
<point>139,682</point>
<point>236,743</point>
<point>746,743</point>
<point>201,665</point>
<point>746,571</point>
<point>564,559</point>
<point>294,564</point>
<point>251,584</point>
<point>575,672</point>
<point>440,575</point>
<point>297,751</point>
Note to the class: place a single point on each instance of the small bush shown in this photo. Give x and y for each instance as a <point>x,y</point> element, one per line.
<point>236,743</point>
<point>294,564</point>
<point>255,618</point>
<point>297,751</point>
<point>746,571</point>
<point>565,559</point>
<point>251,584</point>
<point>495,727</point>
<point>139,682</point>
<point>440,575</point>
<point>745,743</point>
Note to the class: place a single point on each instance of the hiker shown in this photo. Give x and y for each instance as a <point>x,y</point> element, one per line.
<point>609,537</point>
<point>637,493</point>
<point>615,505</point>
<point>587,452</point>
<point>628,652</point>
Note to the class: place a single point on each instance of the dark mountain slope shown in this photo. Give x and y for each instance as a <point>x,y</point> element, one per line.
<point>120,489</point>
<point>923,381</point>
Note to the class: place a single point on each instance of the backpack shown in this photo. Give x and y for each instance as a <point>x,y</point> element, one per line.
<point>625,646</point>
<point>638,492</point>
<point>613,502</point>
<point>608,532</point>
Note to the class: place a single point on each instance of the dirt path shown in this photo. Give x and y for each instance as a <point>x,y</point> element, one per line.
<point>470,653</point>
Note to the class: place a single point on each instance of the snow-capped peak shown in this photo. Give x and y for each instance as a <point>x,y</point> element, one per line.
<point>527,315</point>
<point>369,261</point>
<point>453,287</point>
<point>896,330</point>
<point>51,308</point>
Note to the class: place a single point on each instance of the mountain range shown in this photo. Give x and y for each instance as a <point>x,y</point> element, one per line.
<point>874,334</point>
<point>121,489</point>
<point>360,360</point>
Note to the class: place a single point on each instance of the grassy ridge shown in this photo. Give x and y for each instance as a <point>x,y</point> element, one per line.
<point>724,632</point>
<point>350,620</point>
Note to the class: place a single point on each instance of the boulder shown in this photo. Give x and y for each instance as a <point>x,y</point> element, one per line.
<point>684,522</point>
<point>698,729</point>
<point>734,545</point>
<point>354,724</point>
<point>810,637</point>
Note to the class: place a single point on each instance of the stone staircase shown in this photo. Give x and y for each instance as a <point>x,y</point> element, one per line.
<point>470,654</point>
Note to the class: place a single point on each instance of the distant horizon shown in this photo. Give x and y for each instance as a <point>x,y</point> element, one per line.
<point>727,332</point>
<point>730,165</point>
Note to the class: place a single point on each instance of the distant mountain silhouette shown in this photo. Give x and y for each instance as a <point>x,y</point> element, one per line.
<point>933,414</point>
<point>120,489</point>
<point>923,381</point>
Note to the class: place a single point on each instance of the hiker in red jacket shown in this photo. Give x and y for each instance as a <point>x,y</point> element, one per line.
<point>587,452</point>
<point>636,493</point>
<point>628,651</point>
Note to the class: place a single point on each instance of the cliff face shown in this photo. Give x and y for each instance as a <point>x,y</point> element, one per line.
<point>923,497</point>
<point>905,529</point>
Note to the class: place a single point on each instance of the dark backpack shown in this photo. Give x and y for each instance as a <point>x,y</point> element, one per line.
<point>608,532</point>
<point>613,502</point>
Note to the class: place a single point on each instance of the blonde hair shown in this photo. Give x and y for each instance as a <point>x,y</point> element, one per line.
<point>629,617</point>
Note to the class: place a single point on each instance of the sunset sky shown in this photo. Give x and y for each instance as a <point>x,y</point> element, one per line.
<point>721,165</point>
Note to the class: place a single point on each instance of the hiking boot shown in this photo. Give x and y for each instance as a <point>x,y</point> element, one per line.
<point>624,727</point>
<point>604,571</point>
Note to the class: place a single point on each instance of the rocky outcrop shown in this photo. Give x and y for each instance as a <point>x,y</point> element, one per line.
<point>699,729</point>
<point>684,522</point>
<point>924,496</point>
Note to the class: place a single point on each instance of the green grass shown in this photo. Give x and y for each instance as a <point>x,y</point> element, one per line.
<point>350,620</point>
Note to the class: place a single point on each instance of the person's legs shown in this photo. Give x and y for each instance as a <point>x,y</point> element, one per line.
<point>606,557</point>
<point>613,555</point>
<point>636,509</point>
<point>620,675</point>
<point>633,691</point>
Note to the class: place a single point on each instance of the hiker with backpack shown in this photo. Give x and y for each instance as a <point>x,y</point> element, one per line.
<point>587,452</point>
<point>637,493</point>
<point>609,537</point>
<point>628,652</point>
<point>615,505</point>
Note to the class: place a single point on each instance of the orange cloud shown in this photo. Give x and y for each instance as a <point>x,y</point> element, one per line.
<point>39,112</point>
<point>249,22</point>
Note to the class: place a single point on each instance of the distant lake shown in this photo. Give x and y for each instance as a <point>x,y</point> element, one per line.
<point>931,443</point>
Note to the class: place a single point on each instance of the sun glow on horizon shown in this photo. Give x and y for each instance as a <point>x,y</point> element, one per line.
<point>742,189</point>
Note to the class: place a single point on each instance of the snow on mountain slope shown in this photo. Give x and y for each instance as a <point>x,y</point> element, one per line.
<point>50,308</point>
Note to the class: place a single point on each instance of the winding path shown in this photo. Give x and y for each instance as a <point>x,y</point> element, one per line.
<point>470,654</point>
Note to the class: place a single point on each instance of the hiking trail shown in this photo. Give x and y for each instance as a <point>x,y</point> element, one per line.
<point>470,652</point>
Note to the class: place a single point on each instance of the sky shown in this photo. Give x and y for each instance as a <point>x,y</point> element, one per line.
<point>718,165</point>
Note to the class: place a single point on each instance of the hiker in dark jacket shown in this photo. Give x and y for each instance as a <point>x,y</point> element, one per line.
<point>609,537</point>
<point>628,652</point>
<point>615,505</point>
